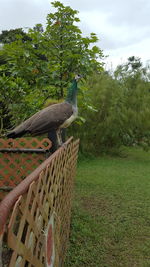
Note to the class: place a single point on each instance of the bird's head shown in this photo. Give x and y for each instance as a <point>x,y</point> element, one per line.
<point>78,77</point>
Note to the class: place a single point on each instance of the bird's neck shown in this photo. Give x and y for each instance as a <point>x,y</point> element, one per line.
<point>72,94</point>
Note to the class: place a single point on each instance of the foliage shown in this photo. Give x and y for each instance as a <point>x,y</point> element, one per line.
<point>40,64</point>
<point>9,36</point>
<point>68,51</point>
<point>121,115</point>
<point>37,67</point>
<point>103,126</point>
<point>134,78</point>
<point>11,99</point>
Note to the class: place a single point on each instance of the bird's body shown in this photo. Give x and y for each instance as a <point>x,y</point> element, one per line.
<point>55,116</point>
<point>51,118</point>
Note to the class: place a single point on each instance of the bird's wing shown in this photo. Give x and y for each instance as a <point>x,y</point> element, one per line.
<point>25,124</point>
<point>21,129</point>
<point>51,117</point>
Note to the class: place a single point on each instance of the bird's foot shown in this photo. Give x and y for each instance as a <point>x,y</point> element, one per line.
<point>63,145</point>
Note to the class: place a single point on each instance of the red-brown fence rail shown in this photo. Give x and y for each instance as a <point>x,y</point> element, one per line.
<point>35,215</point>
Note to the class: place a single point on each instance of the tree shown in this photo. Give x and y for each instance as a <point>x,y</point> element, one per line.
<point>66,49</point>
<point>9,36</point>
<point>133,69</point>
<point>121,116</point>
<point>134,78</point>
<point>45,62</point>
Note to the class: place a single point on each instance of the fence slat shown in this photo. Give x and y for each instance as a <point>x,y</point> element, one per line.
<point>39,209</point>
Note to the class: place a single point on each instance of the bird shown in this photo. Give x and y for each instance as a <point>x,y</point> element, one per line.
<point>52,118</point>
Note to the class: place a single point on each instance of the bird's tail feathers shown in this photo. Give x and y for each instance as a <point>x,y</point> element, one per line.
<point>14,135</point>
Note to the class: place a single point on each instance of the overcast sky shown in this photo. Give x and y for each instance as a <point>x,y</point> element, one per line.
<point>123,26</point>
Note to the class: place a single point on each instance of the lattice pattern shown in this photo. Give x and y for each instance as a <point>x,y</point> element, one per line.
<point>50,194</point>
<point>25,143</point>
<point>16,166</point>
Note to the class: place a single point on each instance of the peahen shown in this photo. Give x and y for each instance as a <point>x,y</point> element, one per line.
<point>51,118</point>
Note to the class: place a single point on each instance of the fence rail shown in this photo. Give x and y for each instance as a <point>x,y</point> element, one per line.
<point>19,157</point>
<point>35,215</point>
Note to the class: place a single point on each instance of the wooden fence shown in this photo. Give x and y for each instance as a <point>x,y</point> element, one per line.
<point>35,215</point>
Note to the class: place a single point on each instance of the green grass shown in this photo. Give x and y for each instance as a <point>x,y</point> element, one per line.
<point>111,212</point>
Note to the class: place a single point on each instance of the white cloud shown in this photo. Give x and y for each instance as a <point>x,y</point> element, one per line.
<point>23,13</point>
<point>122,26</point>
<point>120,55</point>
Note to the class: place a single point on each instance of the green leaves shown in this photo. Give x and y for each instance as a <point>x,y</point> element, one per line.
<point>69,50</point>
<point>116,113</point>
<point>41,63</point>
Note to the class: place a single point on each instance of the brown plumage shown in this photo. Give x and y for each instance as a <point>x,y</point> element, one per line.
<point>50,118</point>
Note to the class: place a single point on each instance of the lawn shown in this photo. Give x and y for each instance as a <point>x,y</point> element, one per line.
<point>110,224</point>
